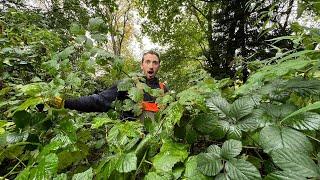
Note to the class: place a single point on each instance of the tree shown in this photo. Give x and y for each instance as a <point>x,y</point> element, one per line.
<point>221,29</point>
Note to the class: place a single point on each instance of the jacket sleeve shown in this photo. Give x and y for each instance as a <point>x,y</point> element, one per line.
<point>94,103</point>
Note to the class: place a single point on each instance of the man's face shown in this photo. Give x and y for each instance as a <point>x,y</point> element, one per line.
<point>150,65</point>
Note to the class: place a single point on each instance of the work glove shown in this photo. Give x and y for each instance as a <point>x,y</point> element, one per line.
<point>57,102</point>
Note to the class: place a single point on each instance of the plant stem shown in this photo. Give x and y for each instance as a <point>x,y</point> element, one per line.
<point>12,170</point>
<point>21,161</point>
<point>148,162</point>
<point>313,138</point>
<point>142,160</point>
<point>251,147</point>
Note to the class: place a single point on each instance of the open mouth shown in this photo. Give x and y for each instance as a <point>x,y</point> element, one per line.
<point>150,72</point>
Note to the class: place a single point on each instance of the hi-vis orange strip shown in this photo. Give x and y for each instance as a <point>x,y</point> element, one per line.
<point>151,106</point>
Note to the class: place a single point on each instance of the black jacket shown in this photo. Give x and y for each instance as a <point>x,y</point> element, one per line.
<point>102,102</point>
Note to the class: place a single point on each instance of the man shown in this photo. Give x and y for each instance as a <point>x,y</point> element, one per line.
<point>102,102</point>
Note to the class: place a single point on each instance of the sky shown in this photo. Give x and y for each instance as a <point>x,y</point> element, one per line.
<point>139,42</point>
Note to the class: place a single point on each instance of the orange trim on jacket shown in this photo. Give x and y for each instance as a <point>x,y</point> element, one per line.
<point>152,106</point>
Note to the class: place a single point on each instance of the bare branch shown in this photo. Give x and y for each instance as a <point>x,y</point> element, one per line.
<point>197,9</point>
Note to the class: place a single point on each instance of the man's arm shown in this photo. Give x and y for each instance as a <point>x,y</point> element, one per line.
<point>94,103</point>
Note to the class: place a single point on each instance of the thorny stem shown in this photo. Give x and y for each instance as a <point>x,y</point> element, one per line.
<point>9,173</point>
<point>143,160</point>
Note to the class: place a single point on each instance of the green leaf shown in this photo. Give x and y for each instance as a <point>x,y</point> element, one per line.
<point>73,80</point>
<point>86,175</point>
<point>284,175</point>
<point>221,176</point>
<point>269,73</point>
<point>241,169</point>
<point>16,137</point>
<point>52,66</point>
<point>67,158</point>
<point>125,85</point>
<point>52,146</point>
<point>303,86</point>
<point>24,175</point>
<point>277,112</point>
<point>62,176</point>
<point>32,89</point>
<point>118,64</point>
<point>219,106</point>
<point>250,124</point>
<point>253,121</point>
<point>177,172</point>
<point>231,149</point>
<point>310,107</point>
<point>143,145</point>
<point>191,171</point>
<point>88,43</point>
<point>128,105</point>
<point>99,37</point>
<point>304,121</point>
<point>164,100</point>
<point>173,114</point>
<point>158,176</point>
<point>22,119</point>
<point>127,163</point>
<point>295,55</point>
<point>295,161</point>
<point>80,40</point>
<point>77,29</point>
<point>272,138</point>
<point>100,121</point>
<point>191,134</point>
<point>190,97</point>
<point>209,164</point>
<point>208,123</point>
<point>214,149</point>
<point>46,168</point>
<point>241,107</point>
<point>95,24</point>
<point>136,94</point>
<point>66,52</point>
<point>170,154</point>
<point>106,167</point>
<point>233,132</point>
<point>29,102</point>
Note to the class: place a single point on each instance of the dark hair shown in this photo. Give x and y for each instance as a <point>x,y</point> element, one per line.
<point>150,52</point>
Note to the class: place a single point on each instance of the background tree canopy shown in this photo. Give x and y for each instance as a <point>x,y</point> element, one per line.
<point>244,98</point>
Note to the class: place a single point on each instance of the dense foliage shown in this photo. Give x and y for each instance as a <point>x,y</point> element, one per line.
<point>267,127</point>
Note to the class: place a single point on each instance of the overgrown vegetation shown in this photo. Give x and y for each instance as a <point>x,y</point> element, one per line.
<point>267,127</point>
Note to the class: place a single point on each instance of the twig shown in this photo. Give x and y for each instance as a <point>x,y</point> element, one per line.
<point>251,147</point>
<point>21,161</point>
<point>148,162</point>
<point>313,138</point>
<point>9,173</point>
<point>142,160</point>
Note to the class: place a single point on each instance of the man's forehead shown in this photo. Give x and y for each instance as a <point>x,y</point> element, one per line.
<point>150,57</point>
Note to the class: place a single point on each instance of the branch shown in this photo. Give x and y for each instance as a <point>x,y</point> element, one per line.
<point>125,20</point>
<point>197,9</point>
<point>208,1</point>
<point>288,12</point>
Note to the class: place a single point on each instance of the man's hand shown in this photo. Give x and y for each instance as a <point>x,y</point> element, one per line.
<point>57,102</point>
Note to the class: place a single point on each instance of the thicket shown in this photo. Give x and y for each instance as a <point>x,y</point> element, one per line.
<point>265,128</point>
